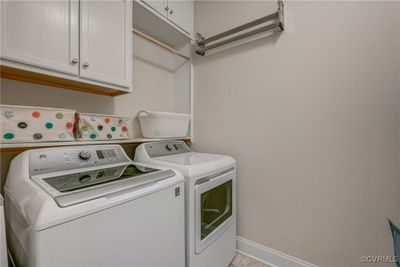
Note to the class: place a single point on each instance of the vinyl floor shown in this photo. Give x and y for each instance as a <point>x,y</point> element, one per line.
<point>244,261</point>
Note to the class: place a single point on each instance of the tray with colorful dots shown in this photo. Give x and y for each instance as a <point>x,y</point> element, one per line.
<point>21,124</point>
<point>90,126</point>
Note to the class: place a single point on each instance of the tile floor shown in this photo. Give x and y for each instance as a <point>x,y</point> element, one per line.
<point>244,261</point>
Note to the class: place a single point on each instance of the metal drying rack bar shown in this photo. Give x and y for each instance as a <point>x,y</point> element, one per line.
<point>201,42</point>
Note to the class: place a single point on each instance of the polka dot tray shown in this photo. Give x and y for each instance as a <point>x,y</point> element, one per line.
<point>102,127</point>
<point>35,124</point>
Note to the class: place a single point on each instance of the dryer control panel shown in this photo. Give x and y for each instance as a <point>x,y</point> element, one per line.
<point>69,158</point>
<point>166,148</point>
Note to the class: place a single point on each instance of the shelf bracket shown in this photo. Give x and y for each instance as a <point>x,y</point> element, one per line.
<point>200,47</point>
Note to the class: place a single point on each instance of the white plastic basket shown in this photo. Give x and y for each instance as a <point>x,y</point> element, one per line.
<point>163,124</point>
<point>20,124</point>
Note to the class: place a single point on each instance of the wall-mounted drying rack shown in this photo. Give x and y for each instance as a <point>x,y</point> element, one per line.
<point>160,44</point>
<point>277,19</point>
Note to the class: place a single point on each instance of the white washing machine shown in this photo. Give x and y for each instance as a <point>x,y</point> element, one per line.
<point>210,199</point>
<point>90,206</point>
<point>3,246</point>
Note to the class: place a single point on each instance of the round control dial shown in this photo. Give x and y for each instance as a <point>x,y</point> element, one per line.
<point>85,155</point>
<point>169,147</point>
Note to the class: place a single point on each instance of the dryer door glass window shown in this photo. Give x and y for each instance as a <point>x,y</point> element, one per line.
<point>216,207</point>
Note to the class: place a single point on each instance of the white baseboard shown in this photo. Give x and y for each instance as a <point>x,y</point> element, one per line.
<point>268,255</point>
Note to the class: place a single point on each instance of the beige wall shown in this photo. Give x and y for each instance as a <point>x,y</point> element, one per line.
<point>153,89</point>
<point>398,77</point>
<point>312,118</point>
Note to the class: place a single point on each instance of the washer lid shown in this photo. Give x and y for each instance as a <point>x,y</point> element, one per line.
<point>73,181</point>
<point>77,187</point>
<point>112,188</point>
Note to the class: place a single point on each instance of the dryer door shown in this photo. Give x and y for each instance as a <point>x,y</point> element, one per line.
<point>213,208</point>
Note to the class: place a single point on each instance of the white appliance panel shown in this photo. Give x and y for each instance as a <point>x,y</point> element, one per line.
<point>148,231</point>
<point>202,172</point>
<point>132,226</point>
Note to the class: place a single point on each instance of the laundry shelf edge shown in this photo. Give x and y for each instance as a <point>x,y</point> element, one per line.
<point>19,147</point>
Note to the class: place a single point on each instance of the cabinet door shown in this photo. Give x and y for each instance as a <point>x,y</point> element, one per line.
<point>106,41</point>
<point>181,13</point>
<point>158,5</point>
<point>41,33</point>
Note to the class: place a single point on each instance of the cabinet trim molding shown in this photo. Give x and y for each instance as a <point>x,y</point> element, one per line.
<point>48,80</point>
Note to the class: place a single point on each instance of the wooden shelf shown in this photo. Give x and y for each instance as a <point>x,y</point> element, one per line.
<point>148,49</point>
<point>19,147</point>
<point>160,44</point>
<point>23,75</point>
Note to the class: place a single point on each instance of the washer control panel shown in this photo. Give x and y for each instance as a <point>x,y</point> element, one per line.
<point>166,148</point>
<point>69,158</point>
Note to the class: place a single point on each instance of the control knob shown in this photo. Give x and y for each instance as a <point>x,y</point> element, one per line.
<point>169,147</point>
<point>84,178</point>
<point>85,155</point>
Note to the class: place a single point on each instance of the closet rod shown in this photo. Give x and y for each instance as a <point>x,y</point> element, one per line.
<point>277,17</point>
<point>160,44</point>
<point>239,28</point>
<point>244,35</point>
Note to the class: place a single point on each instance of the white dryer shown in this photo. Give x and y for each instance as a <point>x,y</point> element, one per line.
<point>91,206</point>
<point>210,199</point>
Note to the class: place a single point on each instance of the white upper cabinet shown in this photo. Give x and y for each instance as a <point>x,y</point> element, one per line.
<point>106,48</point>
<point>180,13</point>
<point>158,5</point>
<point>86,41</point>
<point>41,33</point>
